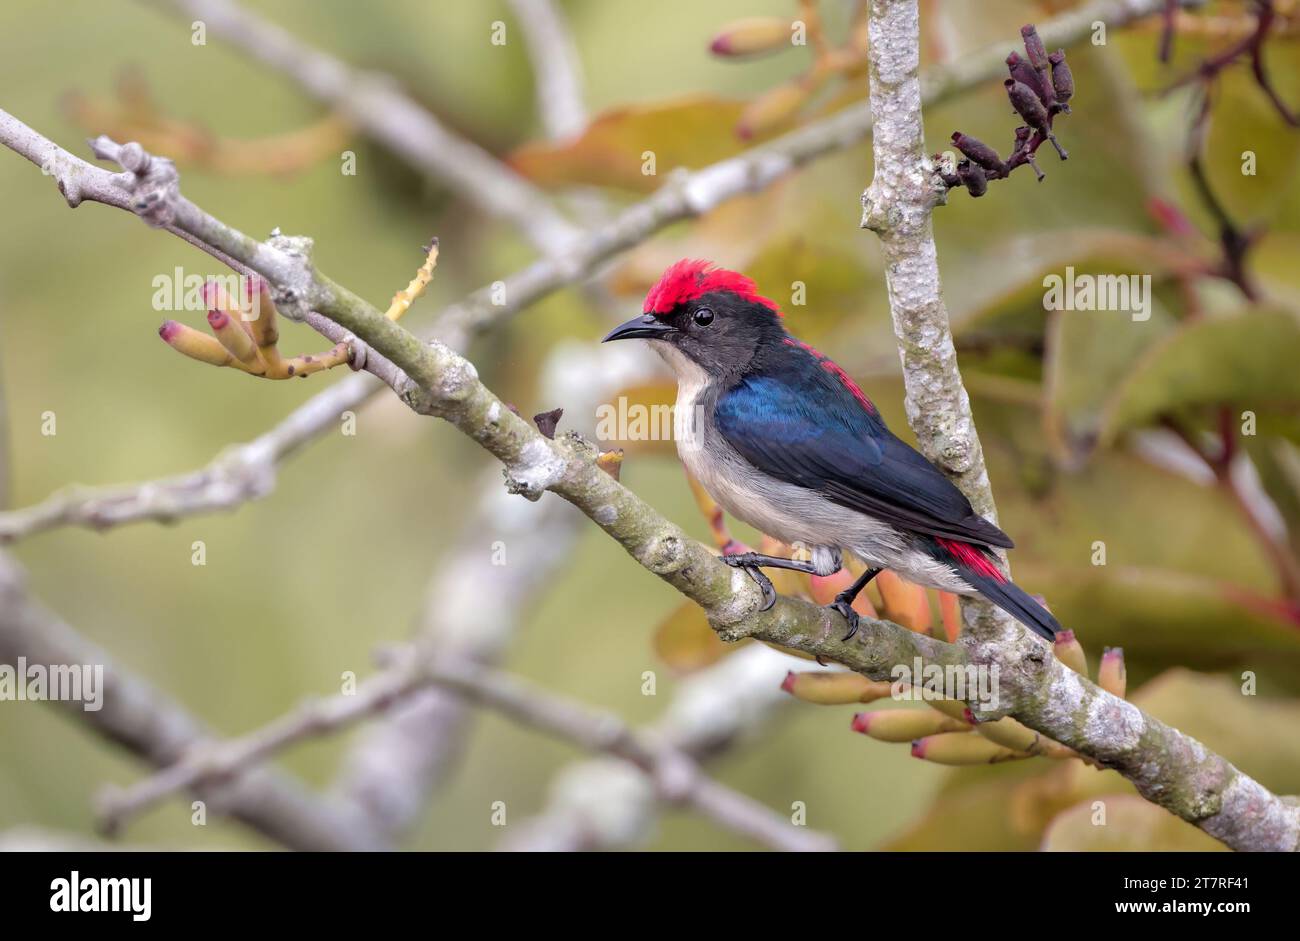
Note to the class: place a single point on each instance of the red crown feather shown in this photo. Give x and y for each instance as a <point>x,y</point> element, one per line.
<point>692,278</point>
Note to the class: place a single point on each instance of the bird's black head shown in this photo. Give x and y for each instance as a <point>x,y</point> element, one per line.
<point>706,317</point>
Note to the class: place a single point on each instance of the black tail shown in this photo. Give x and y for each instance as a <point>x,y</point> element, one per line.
<point>975,567</point>
<point>1012,599</point>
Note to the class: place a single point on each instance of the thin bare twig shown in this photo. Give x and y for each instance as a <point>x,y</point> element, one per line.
<point>374,103</point>
<point>1222,462</point>
<point>676,777</point>
<point>1250,48</point>
<point>595,805</point>
<point>557,69</point>
<point>159,730</point>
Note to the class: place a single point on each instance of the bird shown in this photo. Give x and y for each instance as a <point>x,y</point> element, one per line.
<point>783,439</point>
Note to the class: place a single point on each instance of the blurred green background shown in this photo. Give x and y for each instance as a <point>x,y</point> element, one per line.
<point>1061,401</point>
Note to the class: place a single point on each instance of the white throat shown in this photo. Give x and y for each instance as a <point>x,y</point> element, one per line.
<point>691,381</point>
<point>691,377</point>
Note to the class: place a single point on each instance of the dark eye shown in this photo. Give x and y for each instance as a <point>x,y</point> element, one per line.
<point>703,317</point>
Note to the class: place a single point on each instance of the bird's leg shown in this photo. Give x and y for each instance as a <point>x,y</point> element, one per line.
<point>750,562</point>
<point>746,560</point>
<point>843,602</point>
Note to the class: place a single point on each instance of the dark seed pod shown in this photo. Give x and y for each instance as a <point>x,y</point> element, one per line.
<point>972,174</point>
<point>978,151</point>
<point>1023,72</point>
<point>1062,78</point>
<point>1028,105</point>
<point>1039,88</point>
<point>1034,46</point>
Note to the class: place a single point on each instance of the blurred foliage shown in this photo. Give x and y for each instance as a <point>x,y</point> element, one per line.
<point>357,524</point>
<point>1023,805</point>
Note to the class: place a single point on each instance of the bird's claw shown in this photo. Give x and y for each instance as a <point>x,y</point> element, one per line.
<point>764,585</point>
<point>845,610</point>
<point>745,560</point>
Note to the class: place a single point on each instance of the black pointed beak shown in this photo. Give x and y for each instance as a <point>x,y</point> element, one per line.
<point>643,326</point>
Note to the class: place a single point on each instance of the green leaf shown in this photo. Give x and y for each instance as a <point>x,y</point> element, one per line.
<point>685,641</point>
<point>1244,122</point>
<point>975,816</point>
<point>689,132</point>
<point>1124,823</point>
<point>1247,360</point>
<point>1088,354</point>
<point>1162,617</point>
<point>1278,464</point>
<point>1015,806</point>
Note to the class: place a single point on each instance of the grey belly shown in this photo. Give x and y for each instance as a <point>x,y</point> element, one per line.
<point>805,519</point>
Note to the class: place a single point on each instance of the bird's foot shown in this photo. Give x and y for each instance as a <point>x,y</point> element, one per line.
<point>845,610</point>
<point>749,562</point>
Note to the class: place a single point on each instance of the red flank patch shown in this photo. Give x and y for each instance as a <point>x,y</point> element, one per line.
<point>972,558</point>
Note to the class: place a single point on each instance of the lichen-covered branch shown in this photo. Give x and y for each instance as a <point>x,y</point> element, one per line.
<point>897,206</point>
<point>1167,767</point>
<point>435,380</point>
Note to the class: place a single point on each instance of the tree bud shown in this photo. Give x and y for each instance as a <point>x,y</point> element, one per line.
<point>978,151</point>
<point>752,36</point>
<point>1062,79</point>
<point>1028,105</point>
<point>1034,47</point>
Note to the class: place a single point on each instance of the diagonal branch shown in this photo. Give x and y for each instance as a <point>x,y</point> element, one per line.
<point>237,475</point>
